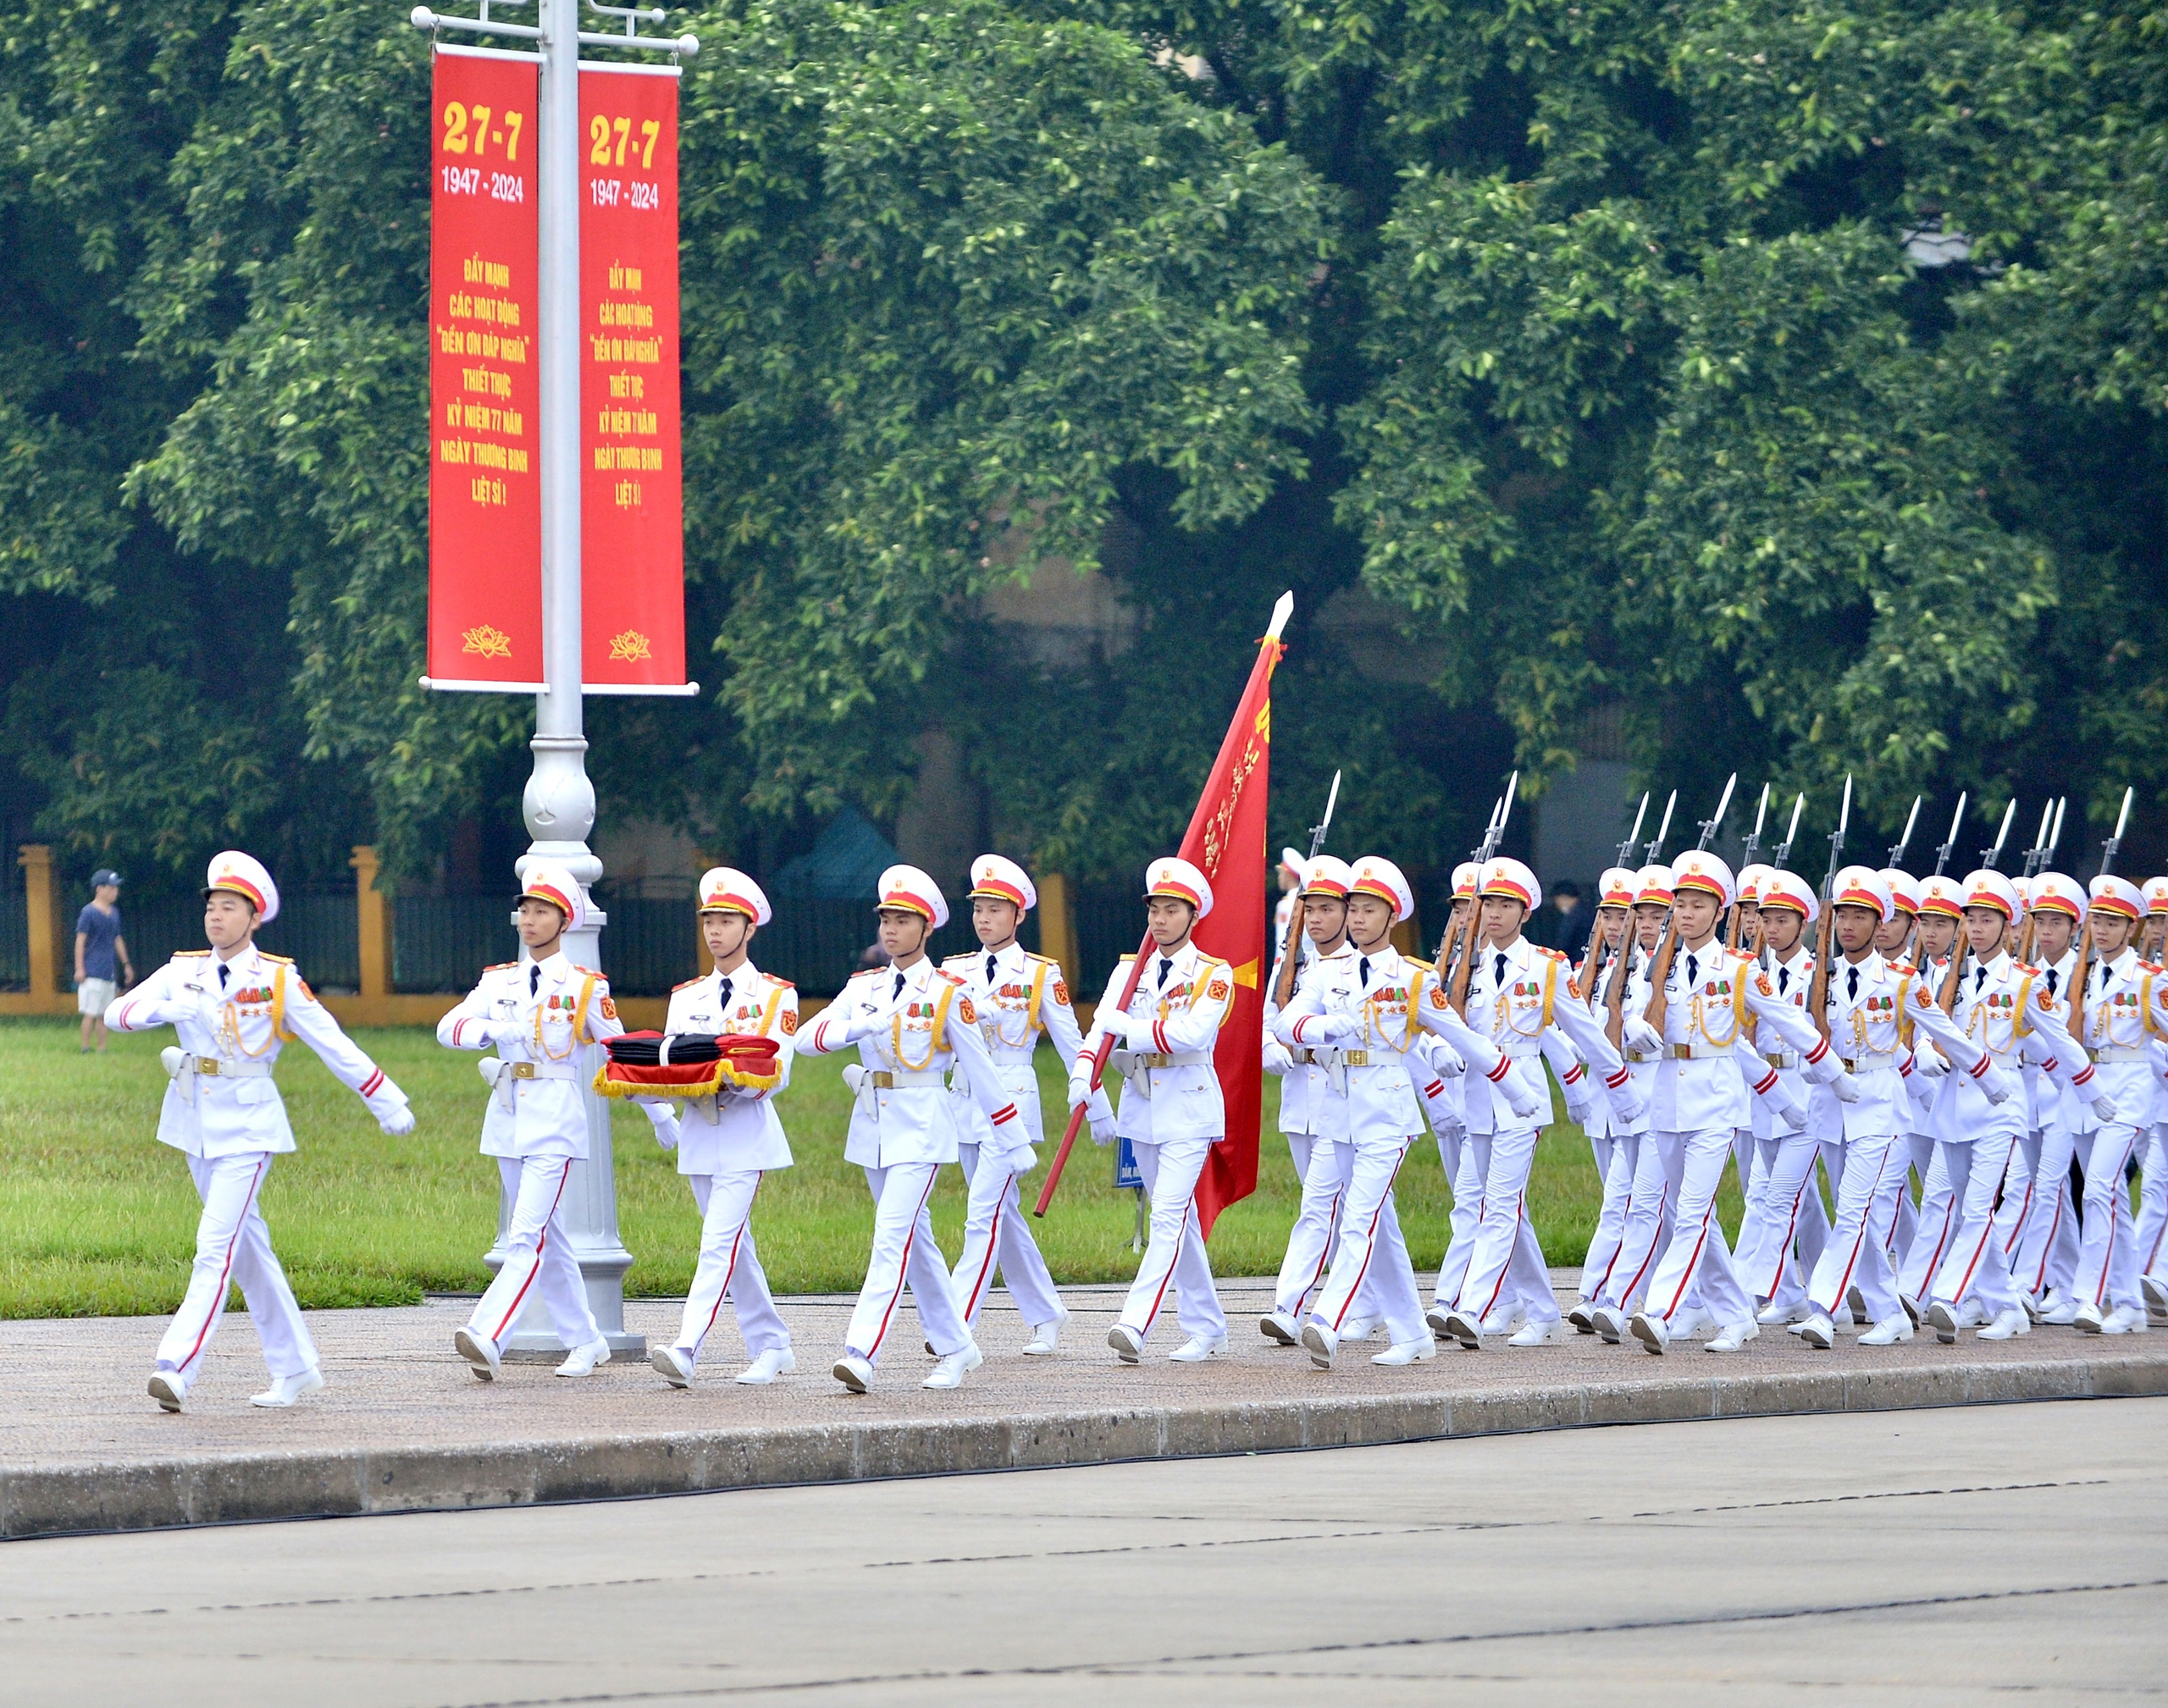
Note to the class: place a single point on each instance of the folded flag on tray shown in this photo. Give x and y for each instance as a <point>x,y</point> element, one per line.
<point>688,1064</point>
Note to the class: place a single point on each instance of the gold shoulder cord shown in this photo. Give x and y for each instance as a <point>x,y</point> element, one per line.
<point>579,1012</point>
<point>229,1022</point>
<point>933,1039</point>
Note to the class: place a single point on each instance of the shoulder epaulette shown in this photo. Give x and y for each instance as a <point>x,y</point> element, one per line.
<point>1426,966</point>
<point>951,961</point>
<point>1126,960</point>
<point>1210,960</point>
<point>589,971</point>
<point>2031,972</point>
<point>501,967</point>
<point>189,954</point>
<point>773,980</point>
<point>1044,960</point>
<point>277,960</point>
<point>686,986</point>
<point>2150,966</point>
<point>942,973</point>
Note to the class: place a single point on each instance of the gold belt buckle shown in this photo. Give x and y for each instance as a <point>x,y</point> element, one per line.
<point>1682,1053</point>
<point>883,1080</point>
<point>208,1066</point>
<point>1355,1058</point>
<point>523,1070</point>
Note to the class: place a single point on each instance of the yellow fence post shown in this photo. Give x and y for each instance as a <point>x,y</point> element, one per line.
<point>1057,925</point>
<point>36,860</point>
<point>373,919</point>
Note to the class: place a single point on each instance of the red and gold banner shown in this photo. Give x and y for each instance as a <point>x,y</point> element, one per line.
<point>485,492</point>
<point>632,502</point>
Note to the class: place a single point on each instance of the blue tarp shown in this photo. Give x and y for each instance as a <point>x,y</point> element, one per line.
<point>845,865</point>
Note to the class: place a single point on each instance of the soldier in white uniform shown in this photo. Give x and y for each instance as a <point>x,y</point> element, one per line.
<point>1893,943</point>
<point>911,1021</point>
<point>1702,1099</point>
<point>1172,1111</point>
<point>2153,1200</point>
<point>543,1014</point>
<point>1367,1010</point>
<point>1616,933</point>
<point>233,1009</point>
<point>1516,993</point>
<point>2120,1011</point>
<point>1019,996</point>
<point>1311,1114</point>
<point>731,1139</point>
<point>2000,1004</point>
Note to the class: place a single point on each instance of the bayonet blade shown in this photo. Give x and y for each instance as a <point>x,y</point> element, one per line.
<point>1709,827</point>
<point>2123,818</point>
<point>2055,835</point>
<point>1844,813</point>
<point>1904,842</point>
<point>1762,814</point>
<point>1633,836</point>
<point>1664,830</point>
<point>1991,856</point>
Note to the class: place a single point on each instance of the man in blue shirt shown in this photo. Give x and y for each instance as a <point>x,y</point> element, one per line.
<point>102,963</point>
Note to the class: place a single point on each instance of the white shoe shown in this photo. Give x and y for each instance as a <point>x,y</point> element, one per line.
<point>1280,1329</point>
<point>1505,1320</point>
<point>1609,1323</point>
<point>1858,1300</point>
<point>1046,1337</point>
<point>584,1359</point>
<point>672,1365</point>
<point>1554,1333</point>
<point>2007,1325</point>
<point>1972,1314</point>
<point>2032,1307</point>
<point>1127,1343</point>
<point>2125,1319</point>
<point>167,1390</point>
<point>853,1372</point>
<point>1943,1321</point>
<point>1650,1331</point>
<point>1437,1317</point>
<point>1583,1317</point>
<point>1784,1316</point>
<point>1889,1331</point>
<point>1358,1329</point>
<point>2155,1289</point>
<point>771,1364</point>
<point>2058,1312</point>
<point>1695,1320</point>
<point>1461,1326</point>
<point>2089,1320</point>
<point>1197,1348</point>
<point>1320,1343</point>
<point>480,1353</point>
<point>1819,1332</point>
<point>1913,1309</point>
<point>950,1372</point>
<point>1731,1339</point>
<point>285,1390</point>
<point>1408,1351</point>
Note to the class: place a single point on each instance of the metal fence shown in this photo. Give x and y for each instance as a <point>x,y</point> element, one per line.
<point>319,932</point>
<point>15,939</point>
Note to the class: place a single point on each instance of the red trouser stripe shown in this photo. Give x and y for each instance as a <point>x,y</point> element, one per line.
<point>2115,1213</point>
<point>723,1291</point>
<point>993,1245</point>
<point>1166,1281</point>
<point>1791,1228</point>
<point>1615,1249</point>
<point>2048,1246</point>
<point>1701,1240</point>
<point>903,1266</point>
<point>2025,1209</point>
<point>225,1274</point>
<point>1520,1209</point>
<point>1867,1214</point>
<point>1986,1232</point>
<point>540,1239</point>
<point>1369,1244</point>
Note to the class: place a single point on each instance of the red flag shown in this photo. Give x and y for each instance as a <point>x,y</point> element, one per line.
<point>1226,842</point>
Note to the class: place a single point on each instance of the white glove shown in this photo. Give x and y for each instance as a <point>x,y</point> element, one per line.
<point>1642,1036</point>
<point>1080,1089</point>
<point>1117,1026</point>
<point>1326,1029</point>
<point>1580,1105</point>
<point>506,1033</point>
<point>665,1124</point>
<point>2104,1107</point>
<point>1524,1107</point>
<point>1102,1132</point>
<point>1998,1086</point>
<point>397,1122</point>
<point>1448,1064</point>
<point>1631,1106</point>
<point>1847,1088</point>
<point>1278,1058</point>
<point>1794,1116</point>
<point>1930,1062</point>
<point>853,1076</point>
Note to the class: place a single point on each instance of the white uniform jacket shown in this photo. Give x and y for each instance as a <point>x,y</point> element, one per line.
<point>1515,995</point>
<point>2053,1103</point>
<point>911,1026</point>
<point>2123,1011</point>
<point>2002,1013</point>
<point>1170,1089</point>
<point>223,1101</point>
<point>1018,997</point>
<point>1793,979</point>
<point>1360,1015</point>
<point>1717,1003</point>
<point>546,1020</point>
<point>736,1129</point>
<point>1307,1104</point>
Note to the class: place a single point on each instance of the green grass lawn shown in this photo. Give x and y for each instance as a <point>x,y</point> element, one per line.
<point>97,1218</point>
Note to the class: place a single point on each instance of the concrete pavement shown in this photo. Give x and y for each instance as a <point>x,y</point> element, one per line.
<point>1916,1558</point>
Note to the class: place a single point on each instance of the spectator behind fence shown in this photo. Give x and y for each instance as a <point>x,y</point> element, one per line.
<point>1564,921</point>
<point>102,963</point>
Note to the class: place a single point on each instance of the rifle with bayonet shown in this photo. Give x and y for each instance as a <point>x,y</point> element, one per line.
<point>1962,948</point>
<point>1457,993</point>
<point>2035,858</point>
<point>1660,972</point>
<point>1956,819</point>
<point>1283,990</point>
<point>1753,847</point>
<point>1782,861</point>
<point>1585,982</point>
<point>2109,850</point>
<point>1904,842</point>
<point>1825,937</point>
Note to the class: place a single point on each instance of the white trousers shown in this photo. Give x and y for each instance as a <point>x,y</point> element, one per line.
<point>1327,1168</point>
<point>1696,1257</point>
<point>1785,1226</point>
<point>1903,1225</point>
<point>1940,1211</point>
<point>233,1248</point>
<point>1503,1263</point>
<point>1175,1254</point>
<point>2046,1257</point>
<point>538,1258</point>
<point>1645,1231</point>
<point>904,1255</point>
<point>2107,1258</point>
<point>998,1238</point>
<point>729,1266</point>
<point>1974,1262</point>
<point>2152,1203</point>
<point>1371,1260</point>
<point>1857,1254</point>
<point>1622,1154</point>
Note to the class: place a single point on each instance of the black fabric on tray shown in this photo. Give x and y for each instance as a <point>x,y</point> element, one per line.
<point>645,1049</point>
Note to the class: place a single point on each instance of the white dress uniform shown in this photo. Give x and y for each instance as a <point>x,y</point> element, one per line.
<point>2121,1012</point>
<point>545,1019</point>
<point>1702,1098</point>
<point>729,1142</point>
<point>1516,992</point>
<point>1366,1010</point>
<point>909,1024</point>
<point>1171,1111</point>
<point>1019,998</point>
<point>2044,1250</point>
<point>2153,1188</point>
<point>232,1014</point>
<point>1614,1173</point>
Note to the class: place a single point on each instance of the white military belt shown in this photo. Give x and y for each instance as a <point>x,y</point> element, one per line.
<point>539,1070</point>
<point>1700,1050</point>
<point>884,1080</point>
<point>2119,1052</point>
<point>1782,1059</point>
<point>1868,1060</point>
<point>215,1067</point>
<point>1191,1058</point>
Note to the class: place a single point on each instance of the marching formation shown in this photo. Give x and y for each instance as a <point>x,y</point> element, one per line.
<point>2001,1041</point>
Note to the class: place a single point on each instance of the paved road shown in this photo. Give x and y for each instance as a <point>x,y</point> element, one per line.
<point>1914,1558</point>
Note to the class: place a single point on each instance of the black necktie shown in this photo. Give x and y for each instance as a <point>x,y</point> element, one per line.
<point>900,986</point>
<point>1783,979</point>
<point>1166,966</point>
<point>1502,971</point>
<point>1852,983</point>
<point>722,997</point>
<point>1979,978</point>
<point>221,975</point>
<point>1693,972</point>
<point>991,962</point>
<point>2051,981</point>
<point>1366,972</point>
<point>534,977</point>
<point>2104,975</point>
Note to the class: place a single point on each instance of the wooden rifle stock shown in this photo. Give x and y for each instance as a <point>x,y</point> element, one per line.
<point>1946,998</point>
<point>1098,1072</point>
<point>1283,987</point>
<point>1817,990</point>
<point>1457,993</point>
<point>2077,982</point>
<point>1614,998</point>
<point>1659,1008</point>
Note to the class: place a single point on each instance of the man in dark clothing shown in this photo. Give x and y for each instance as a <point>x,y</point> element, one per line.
<point>1565,921</point>
<point>101,962</point>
